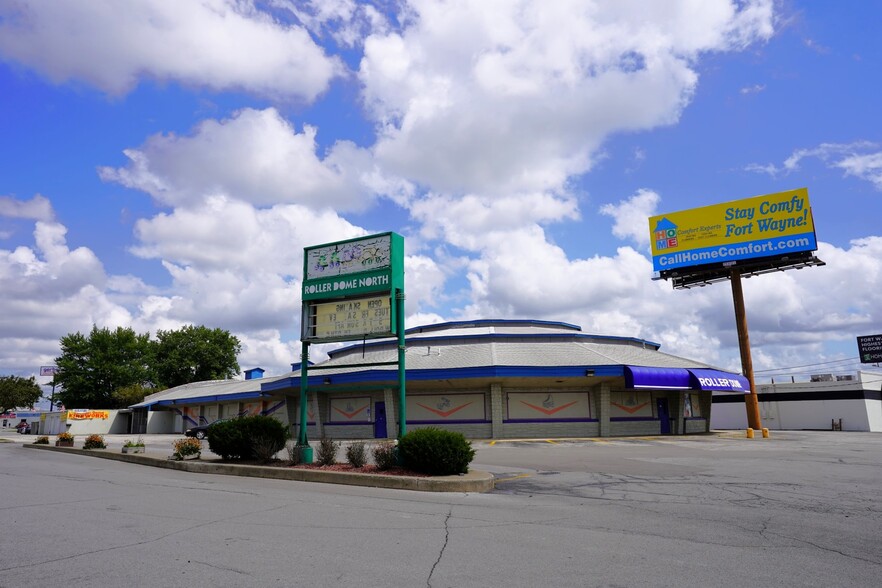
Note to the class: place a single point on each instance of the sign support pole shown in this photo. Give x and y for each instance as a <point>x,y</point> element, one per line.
<point>402,406</point>
<point>302,441</point>
<point>753,415</point>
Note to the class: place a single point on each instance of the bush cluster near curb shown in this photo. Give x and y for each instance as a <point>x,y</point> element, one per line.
<point>436,452</point>
<point>385,456</point>
<point>252,437</point>
<point>94,442</point>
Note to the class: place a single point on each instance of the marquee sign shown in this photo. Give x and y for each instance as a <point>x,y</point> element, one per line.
<point>773,225</point>
<point>353,317</point>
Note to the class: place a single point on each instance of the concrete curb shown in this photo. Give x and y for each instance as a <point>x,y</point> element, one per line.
<point>474,481</point>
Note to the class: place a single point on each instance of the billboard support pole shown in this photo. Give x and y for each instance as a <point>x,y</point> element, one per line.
<point>753,415</point>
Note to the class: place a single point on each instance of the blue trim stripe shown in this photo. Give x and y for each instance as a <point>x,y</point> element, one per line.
<point>273,408</point>
<point>450,422</point>
<point>391,376</point>
<point>186,417</point>
<point>542,421</point>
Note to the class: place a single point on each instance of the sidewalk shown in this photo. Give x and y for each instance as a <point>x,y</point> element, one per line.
<point>159,449</point>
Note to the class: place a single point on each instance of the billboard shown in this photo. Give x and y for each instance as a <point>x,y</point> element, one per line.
<point>870,348</point>
<point>773,225</point>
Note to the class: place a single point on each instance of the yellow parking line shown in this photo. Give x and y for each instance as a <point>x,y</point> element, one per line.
<point>550,441</point>
<point>512,478</point>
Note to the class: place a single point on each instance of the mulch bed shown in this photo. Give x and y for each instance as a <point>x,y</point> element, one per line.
<point>337,467</point>
<point>368,469</point>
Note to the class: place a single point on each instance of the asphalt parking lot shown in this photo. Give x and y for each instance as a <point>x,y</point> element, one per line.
<point>798,509</point>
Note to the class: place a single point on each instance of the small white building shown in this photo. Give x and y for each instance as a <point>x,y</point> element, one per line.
<point>828,402</point>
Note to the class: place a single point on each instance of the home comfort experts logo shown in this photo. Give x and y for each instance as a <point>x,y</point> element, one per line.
<point>665,233</point>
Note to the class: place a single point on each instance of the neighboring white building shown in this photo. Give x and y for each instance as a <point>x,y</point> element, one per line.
<point>824,403</point>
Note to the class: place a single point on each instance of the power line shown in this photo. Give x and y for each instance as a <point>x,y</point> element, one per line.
<point>808,365</point>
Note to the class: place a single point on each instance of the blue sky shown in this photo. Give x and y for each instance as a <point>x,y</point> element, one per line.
<point>163,164</point>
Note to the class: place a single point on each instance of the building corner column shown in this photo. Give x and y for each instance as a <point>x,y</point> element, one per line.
<point>496,411</point>
<point>679,419</point>
<point>319,417</point>
<point>391,401</point>
<point>603,409</point>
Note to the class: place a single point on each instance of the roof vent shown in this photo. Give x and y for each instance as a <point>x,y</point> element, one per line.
<point>254,373</point>
<point>822,377</point>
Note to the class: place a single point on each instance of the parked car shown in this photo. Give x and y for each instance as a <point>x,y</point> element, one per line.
<point>200,431</point>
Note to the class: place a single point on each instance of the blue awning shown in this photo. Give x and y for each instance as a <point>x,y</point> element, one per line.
<point>706,379</point>
<point>657,378</point>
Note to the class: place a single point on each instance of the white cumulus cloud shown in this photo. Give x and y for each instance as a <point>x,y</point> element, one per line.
<point>254,156</point>
<point>37,208</point>
<point>216,44</point>
<point>501,97</point>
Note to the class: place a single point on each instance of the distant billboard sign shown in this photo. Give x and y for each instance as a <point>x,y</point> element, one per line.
<point>773,225</point>
<point>870,348</point>
<point>48,370</point>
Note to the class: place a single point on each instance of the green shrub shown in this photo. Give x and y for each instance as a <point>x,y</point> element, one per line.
<point>227,439</point>
<point>327,452</point>
<point>267,436</point>
<point>356,454</point>
<point>385,455</point>
<point>252,437</point>
<point>436,452</point>
<point>94,442</point>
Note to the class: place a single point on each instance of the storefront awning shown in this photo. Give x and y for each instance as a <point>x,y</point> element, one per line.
<point>705,379</point>
<point>658,378</point>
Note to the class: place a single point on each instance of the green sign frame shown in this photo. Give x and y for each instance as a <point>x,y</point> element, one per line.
<point>352,268</point>
<point>357,275</point>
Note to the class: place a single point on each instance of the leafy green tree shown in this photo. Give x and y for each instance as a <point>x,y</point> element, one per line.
<point>91,368</point>
<point>195,354</point>
<point>17,392</point>
<point>129,395</point>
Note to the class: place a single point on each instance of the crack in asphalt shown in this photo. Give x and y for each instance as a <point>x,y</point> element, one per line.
<point>443,547</point>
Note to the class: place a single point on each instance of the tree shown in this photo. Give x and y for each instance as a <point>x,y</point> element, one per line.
<point>91,369</point>
<point>195,354</point>
<point>18,392</point>
<point>133,394</point>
